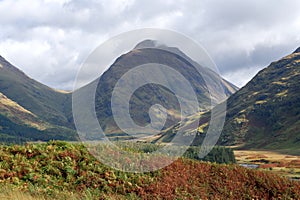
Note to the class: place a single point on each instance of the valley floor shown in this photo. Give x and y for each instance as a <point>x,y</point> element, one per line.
<point>282,164</point>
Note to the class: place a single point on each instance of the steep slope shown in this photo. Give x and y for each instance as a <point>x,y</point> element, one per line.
<point>150,94</point>
<point>264,114</point>
<point>31,111</point>
<point>50,105</point>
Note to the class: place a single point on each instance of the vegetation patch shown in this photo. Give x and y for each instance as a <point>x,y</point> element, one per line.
<point>60,170</point>
<point>282,94</point>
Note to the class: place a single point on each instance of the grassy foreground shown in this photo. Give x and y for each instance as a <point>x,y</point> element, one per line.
<point>59,170</point>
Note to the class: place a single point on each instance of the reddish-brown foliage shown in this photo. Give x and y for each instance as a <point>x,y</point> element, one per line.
<point>195,180</point>
<point>58,166</point>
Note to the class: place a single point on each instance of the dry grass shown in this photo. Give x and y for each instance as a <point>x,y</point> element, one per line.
<point>283,164</point>
<point>9,192</point>
<point>246,155</point>
<point>12,104</point>
<point>19,114</point>
<point>62,91</point>
<point>15,194</point>
<point>282,94</point>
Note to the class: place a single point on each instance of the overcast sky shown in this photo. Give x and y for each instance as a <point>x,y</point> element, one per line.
<point>49,40</point>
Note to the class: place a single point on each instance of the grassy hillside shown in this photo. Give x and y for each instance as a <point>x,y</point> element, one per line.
<point>20,115</point>
<point>19,125</point>
<point>31,111</point>
<point>58,170</point>
<point>47,103</point>
<point>11,132</point>
<point>264,114</point>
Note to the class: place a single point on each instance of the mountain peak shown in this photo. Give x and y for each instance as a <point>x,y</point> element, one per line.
<point>146,44</point>
<point>297,50</point>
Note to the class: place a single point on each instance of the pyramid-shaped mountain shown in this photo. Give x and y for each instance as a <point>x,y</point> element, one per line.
<point>146,96</point>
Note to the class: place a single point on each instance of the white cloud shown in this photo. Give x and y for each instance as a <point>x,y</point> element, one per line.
<point>50,39</point>
<point>242,76</point>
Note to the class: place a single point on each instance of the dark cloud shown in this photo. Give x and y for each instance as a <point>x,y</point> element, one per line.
<point>49,40</point>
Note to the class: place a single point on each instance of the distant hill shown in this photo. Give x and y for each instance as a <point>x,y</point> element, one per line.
<point>30,110</point>
<point>150,94</point>
<point>264,114</point>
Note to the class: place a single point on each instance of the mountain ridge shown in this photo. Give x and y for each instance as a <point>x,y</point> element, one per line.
<point>257,116</point>
<point>39,109</point>
<point>38,103</point>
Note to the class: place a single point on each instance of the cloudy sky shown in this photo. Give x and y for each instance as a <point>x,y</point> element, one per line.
<point>50,39</point>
